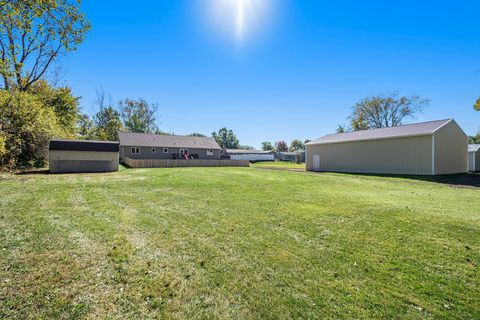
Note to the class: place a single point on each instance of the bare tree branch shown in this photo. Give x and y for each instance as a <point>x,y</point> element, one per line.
<point>37,33</point>
<point>385,111</point>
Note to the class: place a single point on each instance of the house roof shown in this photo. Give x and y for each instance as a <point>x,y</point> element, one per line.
<point>83,145</point>
<point>167,141</point>
<point>473,147</point>
<point>244,151</point>
<point>416,129</point>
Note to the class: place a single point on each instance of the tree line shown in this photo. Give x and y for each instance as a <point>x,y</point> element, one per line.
<point>34,34</point>
<point>132,115</point>
<point>281,146</point>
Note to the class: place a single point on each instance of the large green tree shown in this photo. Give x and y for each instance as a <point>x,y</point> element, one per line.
<point>385,111</point>
<point>226,139</point>
<point>26,126</point>
<point>267,146</point>
<point>85,128</point>
<point>138,115</point>
<point>474,139</point>
<point>476,106</point>
<point>107,124</point>
<point>296,145</point>
<point>63,102</point>
<point>33,35</point>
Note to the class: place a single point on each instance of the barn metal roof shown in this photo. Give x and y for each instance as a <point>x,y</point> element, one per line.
<point>166,141</point>
<point>83,145</point>
<point>473,147</point>
<point>416,129</point>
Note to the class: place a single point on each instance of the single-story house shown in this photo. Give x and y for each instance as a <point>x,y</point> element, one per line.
<point>291,156</point>
<point>77,156</point>
<point>474,157</point>
<point>156,146</point>
<point>250,155</point>
<point>428,148</point>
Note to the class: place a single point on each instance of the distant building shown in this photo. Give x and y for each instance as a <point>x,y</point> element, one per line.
<point>250,155</point>
<point>291,156</point>
<point>156,146</point>
<point>474,157</point>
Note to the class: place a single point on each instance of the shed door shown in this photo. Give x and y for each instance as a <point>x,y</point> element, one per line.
<point>316,162</point>
<point>471,161</point>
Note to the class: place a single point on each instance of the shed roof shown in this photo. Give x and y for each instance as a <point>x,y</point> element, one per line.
<point>473,147</point>
<point>167,141</point>
<point>244,151</point>
<point>416,129</point>
<point>83,145</point>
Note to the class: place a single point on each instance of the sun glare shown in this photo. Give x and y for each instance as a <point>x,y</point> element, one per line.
<point>239,19</point>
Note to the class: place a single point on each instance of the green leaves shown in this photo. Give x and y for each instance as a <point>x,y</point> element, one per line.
<point>35,33</point>
<point>296,145</point>
<point>28,120</point>
<point>226,139</point>
<point>138,115</point>
<point>267,146</point>
<point>108,124</point>
<point>476,106</point>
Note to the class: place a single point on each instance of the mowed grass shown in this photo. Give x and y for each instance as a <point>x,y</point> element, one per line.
<point>278,165</point>
<point>237,243</point>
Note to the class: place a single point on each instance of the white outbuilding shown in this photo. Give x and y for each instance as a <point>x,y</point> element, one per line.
<point>81,156</point>
<point>428,148</point>
<point>250,155</point>
<point>474,157</point>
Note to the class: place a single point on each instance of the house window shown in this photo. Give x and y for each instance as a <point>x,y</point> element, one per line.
<point>136,150</point>
<point>209,152</point>
<point>165,150</point>
<point>153,150</point>
<point>183,152</point>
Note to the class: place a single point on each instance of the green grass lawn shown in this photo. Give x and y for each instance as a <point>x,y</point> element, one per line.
<point>278,165</point>
<point>242,243</point>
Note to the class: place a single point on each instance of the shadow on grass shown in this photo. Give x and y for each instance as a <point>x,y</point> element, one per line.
<point>468,180</point>
<point>33,171</point>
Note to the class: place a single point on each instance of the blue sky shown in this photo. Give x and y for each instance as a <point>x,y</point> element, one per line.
<point>295,75</point>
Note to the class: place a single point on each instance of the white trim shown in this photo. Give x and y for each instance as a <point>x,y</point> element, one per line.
<point>373,139</point>
<point>154,150</point>
<point>443,125</point>
<point>133,150</point>
<point>180,151</point>
<point>209,152</point>
<point>452,121</point>
<point>165,149</point>
<point>433,154</point>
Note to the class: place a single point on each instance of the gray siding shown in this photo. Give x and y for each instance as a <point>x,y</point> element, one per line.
<point>451,150</point>
<point>474,161</point>
<point>82,161</point>
<point>411,155</point>
<point>146,153</point>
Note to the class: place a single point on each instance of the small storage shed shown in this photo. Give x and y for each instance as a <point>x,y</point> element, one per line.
<point>474,157</point>
<point>81,156</point>
<point>428,148</point>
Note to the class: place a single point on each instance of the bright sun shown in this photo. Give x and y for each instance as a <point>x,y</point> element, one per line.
<point>239,18</point>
